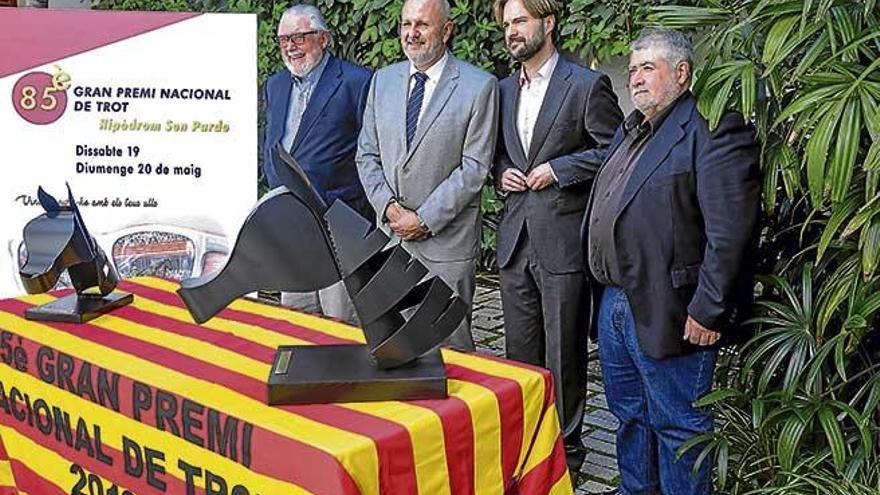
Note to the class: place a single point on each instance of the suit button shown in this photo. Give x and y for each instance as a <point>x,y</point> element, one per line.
<point>402,198</point>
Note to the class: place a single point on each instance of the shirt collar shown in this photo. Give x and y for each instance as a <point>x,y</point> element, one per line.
<point>313,75</point>
<point>544,72</point>
<point>433,72</point>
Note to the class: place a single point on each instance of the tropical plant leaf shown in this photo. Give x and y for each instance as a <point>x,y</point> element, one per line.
<point>840,213</point>
<point>717,395</point>
<point>758,408</point>
<point>808,101</point>
<point>770,180</point>
<point>870,112</point>
<point>870,247</point>
<point>720,103</point>
<point>814,378</point>
<point>862,216</point>
<point>722,462</point>
<point>872,159</point>
<point>840,358</point>
<point>817,49</point>
<point>789,438</point>
<point>779,34</point>
<point>749,85</point>
<point>846,146</point>
<point>834,437</point>
<point>817,155</point>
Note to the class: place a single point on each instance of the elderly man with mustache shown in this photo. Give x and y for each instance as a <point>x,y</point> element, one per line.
<point>426,148</point>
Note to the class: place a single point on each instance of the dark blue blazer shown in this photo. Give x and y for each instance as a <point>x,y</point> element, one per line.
<point>326,141</point>
<point>686,229</point>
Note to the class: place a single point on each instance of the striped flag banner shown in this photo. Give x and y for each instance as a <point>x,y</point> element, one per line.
<point>144,401</point>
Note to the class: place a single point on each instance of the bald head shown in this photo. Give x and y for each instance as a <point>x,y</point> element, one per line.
<point>425,28</point>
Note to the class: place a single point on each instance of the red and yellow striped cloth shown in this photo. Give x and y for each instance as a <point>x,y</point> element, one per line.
<point>143,401</point>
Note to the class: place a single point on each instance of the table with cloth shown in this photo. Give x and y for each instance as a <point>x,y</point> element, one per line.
<point>144,401</point>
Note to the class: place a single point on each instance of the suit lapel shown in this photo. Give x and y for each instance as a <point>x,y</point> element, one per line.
<point>511,137</point>
<point>330,80</point>
<point>280,99</point>
<point>444,89</point>
<point>396,107</point>
<point>553,99</point>
<point>670,133</point>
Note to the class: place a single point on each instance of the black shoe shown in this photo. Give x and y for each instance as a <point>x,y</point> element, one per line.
<point>574,457</point>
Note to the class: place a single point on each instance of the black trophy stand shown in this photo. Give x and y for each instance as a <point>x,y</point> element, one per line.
<point>58,240</point>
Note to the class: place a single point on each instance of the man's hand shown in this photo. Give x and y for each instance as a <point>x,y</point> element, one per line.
<point>540,177</point>
<point>393,211</point>
<point>407,226</point>
<point>513,180</point>
<point>698,334</point>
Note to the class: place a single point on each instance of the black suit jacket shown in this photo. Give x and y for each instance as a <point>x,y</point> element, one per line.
<point>326,140</point>
<point>574,128</point>
<point>686,229</point>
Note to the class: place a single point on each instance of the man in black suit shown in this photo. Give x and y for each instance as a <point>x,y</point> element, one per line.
<point>557,119</point>
<point>669,232</point>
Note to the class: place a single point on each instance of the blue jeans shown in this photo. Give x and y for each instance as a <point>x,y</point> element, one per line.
<point>653,401</point>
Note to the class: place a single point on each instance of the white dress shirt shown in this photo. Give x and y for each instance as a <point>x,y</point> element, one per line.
<point>531,95</point>
<point>433,72</point>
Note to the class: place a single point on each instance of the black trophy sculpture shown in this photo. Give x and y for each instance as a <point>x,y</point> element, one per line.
<point>292,241</point>
<point>56,241</point>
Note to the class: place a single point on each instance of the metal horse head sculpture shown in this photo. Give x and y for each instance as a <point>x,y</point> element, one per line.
<point>292,241</point>
<point>58,240</point>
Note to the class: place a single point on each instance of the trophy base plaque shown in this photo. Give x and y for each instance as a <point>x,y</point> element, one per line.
<point>78,308</point>
<point>346,373</point>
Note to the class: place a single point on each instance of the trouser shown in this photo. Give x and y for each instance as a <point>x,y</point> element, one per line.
<point>332,301</point>
<point>653,401</point>
<point>545,324</point>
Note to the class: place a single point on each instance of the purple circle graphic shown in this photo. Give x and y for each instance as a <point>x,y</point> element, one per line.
<point>36,100</point>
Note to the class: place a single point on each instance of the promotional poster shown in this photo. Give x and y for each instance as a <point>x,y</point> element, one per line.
<point>151,120</point>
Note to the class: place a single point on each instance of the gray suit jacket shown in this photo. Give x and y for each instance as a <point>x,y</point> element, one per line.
<point>574,127</point>
<point>441,175</point>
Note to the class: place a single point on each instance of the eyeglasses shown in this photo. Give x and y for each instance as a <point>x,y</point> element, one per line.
<point>295,38</point>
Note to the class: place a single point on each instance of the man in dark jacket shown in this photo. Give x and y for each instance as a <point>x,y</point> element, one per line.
<point>557,119</point>
<point>669,231</point>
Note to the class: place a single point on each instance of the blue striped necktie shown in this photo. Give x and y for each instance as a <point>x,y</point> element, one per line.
<point>414,106</point>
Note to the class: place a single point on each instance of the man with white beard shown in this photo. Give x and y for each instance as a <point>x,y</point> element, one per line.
<point>315,109</point>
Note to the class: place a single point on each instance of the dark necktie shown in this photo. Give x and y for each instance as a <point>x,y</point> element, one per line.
<point>414,106</point>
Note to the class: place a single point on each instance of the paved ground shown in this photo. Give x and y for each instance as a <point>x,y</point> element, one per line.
<point>599,472</point>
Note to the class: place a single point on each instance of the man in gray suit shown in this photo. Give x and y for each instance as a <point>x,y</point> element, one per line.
<point>426,147</point>
<point>557,119</point>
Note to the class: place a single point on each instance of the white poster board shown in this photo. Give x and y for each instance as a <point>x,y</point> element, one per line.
<point>150,117</point>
